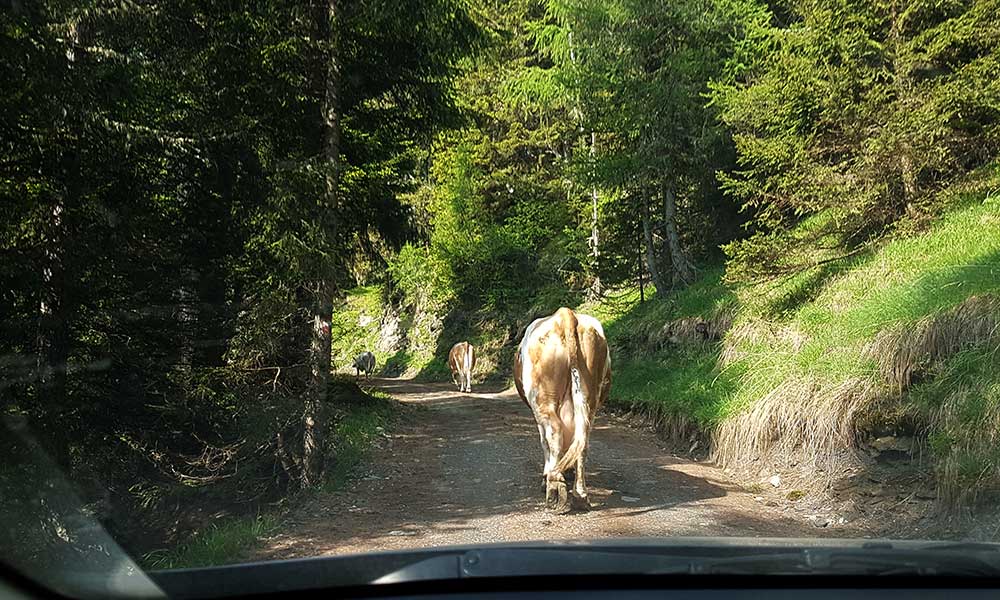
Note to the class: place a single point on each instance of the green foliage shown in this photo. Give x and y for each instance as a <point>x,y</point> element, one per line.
<point>424,277</point>
<point>640,70</point>
<point>171,210</point>
<point>858,111</point>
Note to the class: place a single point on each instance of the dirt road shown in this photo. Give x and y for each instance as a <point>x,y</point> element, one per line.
<point>466,468</point>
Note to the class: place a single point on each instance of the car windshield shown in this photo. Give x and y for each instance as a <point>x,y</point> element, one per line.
<point>290,280</point>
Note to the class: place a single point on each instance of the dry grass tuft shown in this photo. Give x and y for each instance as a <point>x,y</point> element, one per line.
<point>675,428</point>
<point>905,354</point>
<point>798,416</point>
<point>815,419</point>
<point>969,469</point>
<point>961,407</point>
<point>747,337</point>
<point>692,331</point>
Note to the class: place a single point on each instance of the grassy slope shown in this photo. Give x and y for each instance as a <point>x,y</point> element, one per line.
<point>357,423</point>
<point>811,332</point>
<point>904,281</point>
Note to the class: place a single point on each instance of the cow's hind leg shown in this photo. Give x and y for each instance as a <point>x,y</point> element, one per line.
<point>580,499</point>
<point>545,453</point>
<point>556,492</point>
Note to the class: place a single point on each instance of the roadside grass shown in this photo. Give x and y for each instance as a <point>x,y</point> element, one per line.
<point>358,424</point>
<point>811,362</point>
<point>679,389</point>
<point>358,421</point>
<point>435,369</point>
<point>225,542</point>
<point>961,404</point>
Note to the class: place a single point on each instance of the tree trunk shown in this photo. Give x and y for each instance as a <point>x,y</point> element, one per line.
<point>595,242</point>
<point>642,288</point>
<point>322,289</point>
<point>901,82</point>
<point>651,266</point>
<point>53,340</point>
<point>187,315</point>
<point>681,264</point>
<point>213,329</point>
<point>594,292</point>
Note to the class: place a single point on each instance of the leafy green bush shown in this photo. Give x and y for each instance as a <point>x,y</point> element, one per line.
<point>425,277</point>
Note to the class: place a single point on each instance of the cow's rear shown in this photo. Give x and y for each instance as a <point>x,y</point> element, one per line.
<point>461,360</point>
<point>562,371</point>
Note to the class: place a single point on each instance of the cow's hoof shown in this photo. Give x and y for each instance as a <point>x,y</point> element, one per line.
<point>580,502</point>
<point>557,498</point>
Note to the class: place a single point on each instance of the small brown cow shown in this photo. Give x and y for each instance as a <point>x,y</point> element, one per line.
<point>562,371</point>
<point>462,359</point>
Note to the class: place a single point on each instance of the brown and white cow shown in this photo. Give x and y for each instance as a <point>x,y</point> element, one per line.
<point>562,371</point>
<point>462,359</point>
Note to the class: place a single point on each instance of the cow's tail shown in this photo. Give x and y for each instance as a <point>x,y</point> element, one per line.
<point>581,411</point>
<point>468,366</point>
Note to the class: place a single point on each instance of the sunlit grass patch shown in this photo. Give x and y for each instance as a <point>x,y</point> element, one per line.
<point>827,340</point>
<point>676,385</point>
<point>228,541</point>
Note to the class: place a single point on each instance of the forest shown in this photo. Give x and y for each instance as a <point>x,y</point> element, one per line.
<point>785,211</point>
